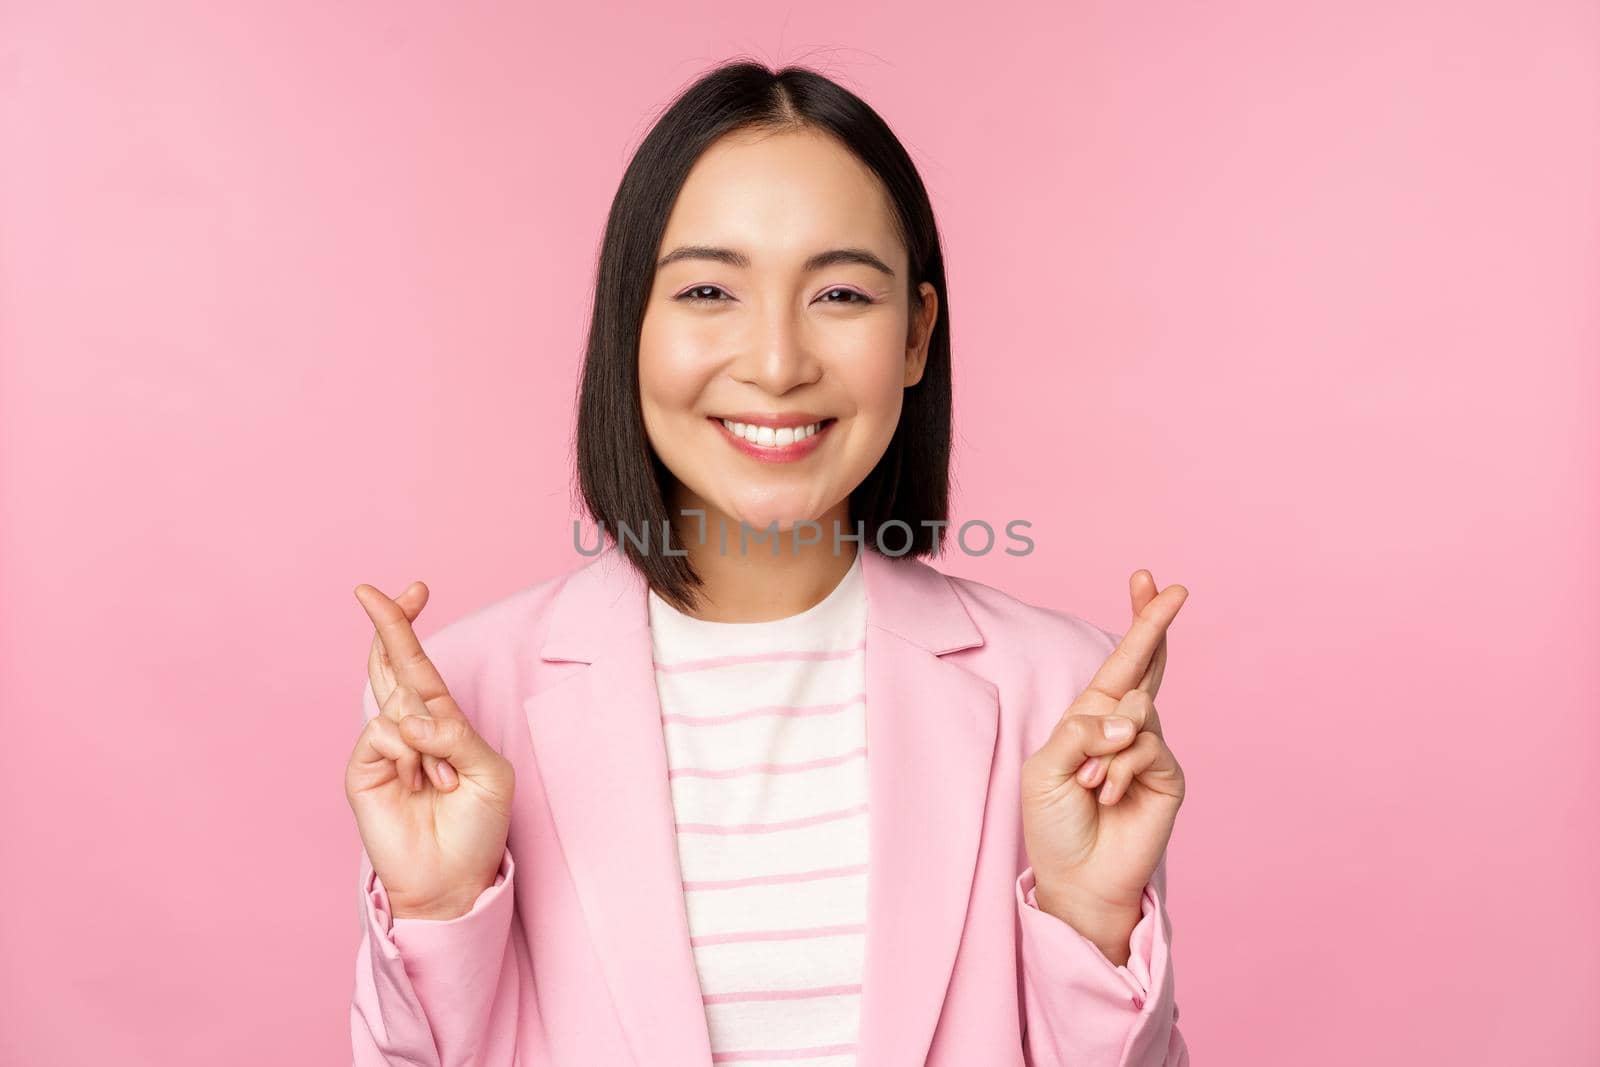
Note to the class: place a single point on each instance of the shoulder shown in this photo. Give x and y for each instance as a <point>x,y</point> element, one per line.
<point>1000,613</point>
<point>1039,657</point>
<point>513,617</point>
<point>1042,639</point>
<point>489,654</point>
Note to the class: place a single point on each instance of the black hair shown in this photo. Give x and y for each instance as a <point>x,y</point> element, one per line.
<point>620,478</point>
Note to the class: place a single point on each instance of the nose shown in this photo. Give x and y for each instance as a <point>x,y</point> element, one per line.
<point>778,359</point>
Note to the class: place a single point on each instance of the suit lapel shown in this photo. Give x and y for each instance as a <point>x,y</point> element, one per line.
<point>603,761</point>
<point>931,729</point>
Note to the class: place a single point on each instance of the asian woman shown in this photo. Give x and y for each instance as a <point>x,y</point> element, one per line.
<point>755,782</point>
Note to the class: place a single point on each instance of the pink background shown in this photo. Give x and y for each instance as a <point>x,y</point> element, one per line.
<point>1294,304</point>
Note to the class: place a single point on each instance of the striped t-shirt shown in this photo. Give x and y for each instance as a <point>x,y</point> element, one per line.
<point>766,732</point>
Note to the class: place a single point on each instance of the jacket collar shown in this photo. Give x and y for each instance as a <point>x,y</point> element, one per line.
<point>931,729</point>
<point>904,596</point>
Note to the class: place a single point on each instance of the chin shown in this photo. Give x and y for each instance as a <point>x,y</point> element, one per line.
<point>760,516</point>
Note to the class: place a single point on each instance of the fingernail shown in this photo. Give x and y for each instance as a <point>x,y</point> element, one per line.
<point>1087,771</point>
<point>1117,729</point>
<point>420,725</point>
<point>447,775</point>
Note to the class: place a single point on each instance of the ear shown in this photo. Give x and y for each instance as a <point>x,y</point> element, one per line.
<point>920,333</point>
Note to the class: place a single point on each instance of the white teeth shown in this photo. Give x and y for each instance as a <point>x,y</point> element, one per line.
<point>766,435</point>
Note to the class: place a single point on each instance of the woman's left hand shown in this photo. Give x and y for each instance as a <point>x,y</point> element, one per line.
<point>1097,811</point>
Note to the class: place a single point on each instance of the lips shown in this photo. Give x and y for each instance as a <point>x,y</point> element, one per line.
<point>774,434</point>
<point>774,444</point>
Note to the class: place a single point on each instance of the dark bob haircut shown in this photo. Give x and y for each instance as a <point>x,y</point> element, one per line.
<point>620,478</point>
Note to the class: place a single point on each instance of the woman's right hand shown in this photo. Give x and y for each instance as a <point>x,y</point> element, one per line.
<point>432,798</point>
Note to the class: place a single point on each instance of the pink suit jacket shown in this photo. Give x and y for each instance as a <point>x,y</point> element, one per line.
<point>579,954</point>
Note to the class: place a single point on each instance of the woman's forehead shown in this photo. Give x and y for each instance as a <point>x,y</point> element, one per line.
<point>781,197</point>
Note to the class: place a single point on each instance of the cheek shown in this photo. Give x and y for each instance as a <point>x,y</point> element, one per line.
<point>673,369</point>
<point>874,377</point>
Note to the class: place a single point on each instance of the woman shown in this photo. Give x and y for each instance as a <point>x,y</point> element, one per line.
<point>723,796</point>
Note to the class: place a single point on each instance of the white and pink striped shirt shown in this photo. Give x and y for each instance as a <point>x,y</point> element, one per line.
<point>766,736</point>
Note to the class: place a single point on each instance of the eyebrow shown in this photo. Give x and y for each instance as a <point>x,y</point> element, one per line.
<point>738,259</point>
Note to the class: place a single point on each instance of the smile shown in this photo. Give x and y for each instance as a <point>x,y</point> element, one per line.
<point>766,435</point>
<point>775,444</point>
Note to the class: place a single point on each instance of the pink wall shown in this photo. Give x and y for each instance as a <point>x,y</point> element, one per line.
<point>292,299</point>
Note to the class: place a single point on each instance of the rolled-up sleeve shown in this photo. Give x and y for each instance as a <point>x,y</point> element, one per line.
<point>1082,1010</point>
<point>436,992</point>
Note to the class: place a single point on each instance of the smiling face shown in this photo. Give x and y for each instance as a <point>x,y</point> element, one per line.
<point>781,305</point>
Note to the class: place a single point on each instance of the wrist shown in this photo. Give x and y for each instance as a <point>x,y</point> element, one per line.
<point>1108,926</point>
<point>442,910</point>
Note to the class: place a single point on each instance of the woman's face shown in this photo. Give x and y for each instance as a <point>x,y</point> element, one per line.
<point>803,317</point>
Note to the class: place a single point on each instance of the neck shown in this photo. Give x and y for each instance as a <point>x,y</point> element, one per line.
<point>756,584</point>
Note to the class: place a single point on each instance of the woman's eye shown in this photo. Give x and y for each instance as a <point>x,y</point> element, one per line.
<point>711,294</point>
<point>692,295</point>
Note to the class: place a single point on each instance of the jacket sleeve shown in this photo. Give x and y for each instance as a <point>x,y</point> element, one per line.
<point>435,993</point>
<point>1082,1010</point>
<point>438,993</point>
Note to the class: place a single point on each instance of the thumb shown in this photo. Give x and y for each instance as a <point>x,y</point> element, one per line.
<point>450,739</point>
